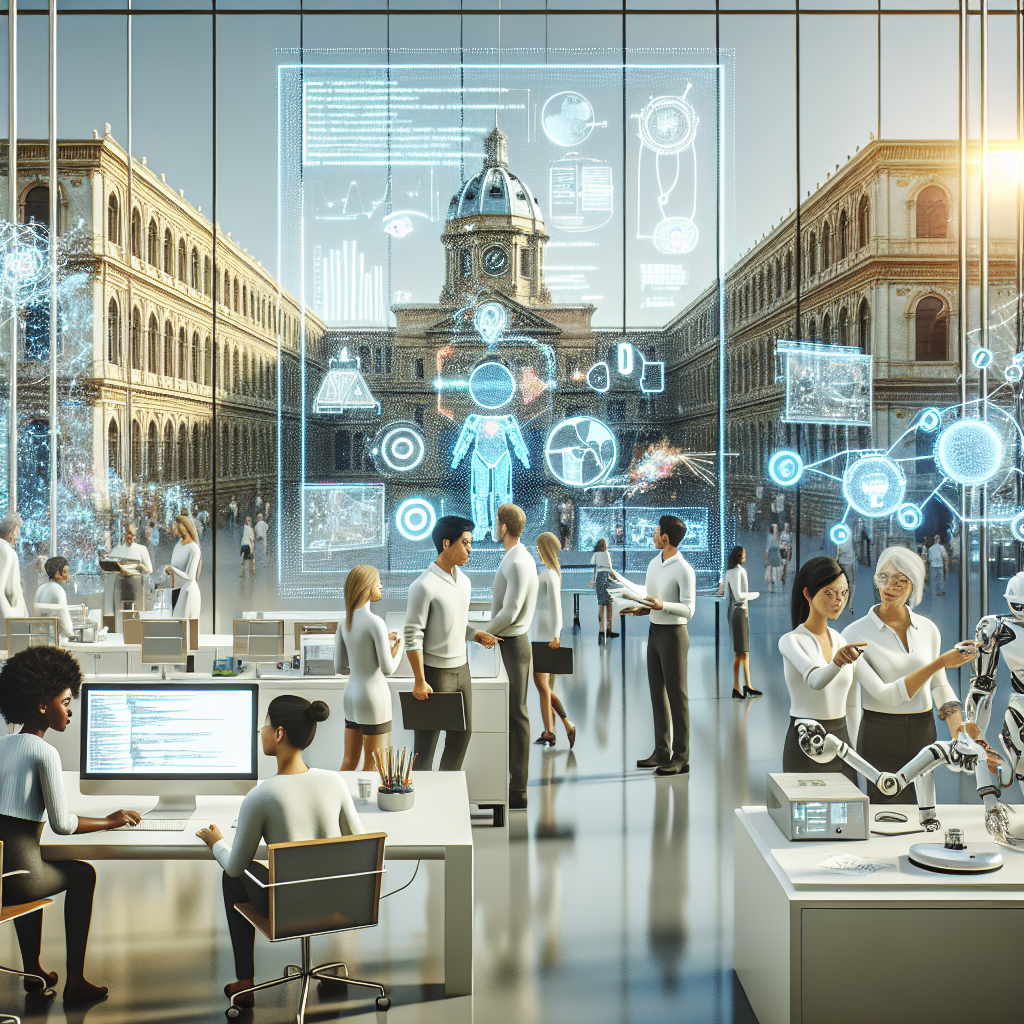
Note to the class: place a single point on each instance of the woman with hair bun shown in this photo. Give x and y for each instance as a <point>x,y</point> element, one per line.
<point>295,805</point>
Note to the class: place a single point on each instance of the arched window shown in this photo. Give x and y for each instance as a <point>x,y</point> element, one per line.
<point>844,236</point>
<point>182,260</point>
<point>778,279</point>
<point>136,233</point>
<point>236,295</point>
<point>864,326</point>
<point>357,451</point>
<point>198,452</point>
<point>863,222</point>
<point>932,325</point>
<point>224,455</point>
<point>208,361</point>
<point>206,275</point>
<point>152,453</point>
<point>168,349</point>
<point>113,332</point>
<point>244,300</point>
<point>135,454</point>
<point>113,220</point>
<point>234,372</point>
<point>812,254</point>
<point>343,451</point>
<point>183,460</point>
<point>182,354</point>
<point>826,328</point>
<point>826,246</point>
<point>153,361</point>
<point>113,448</point>
<point>196,357</point>
<point>245,373</point>
<point>789,270</point>
<point>236,454</point>
<point>194,279</point>
<point>844,327</point>
<point>37,205</point>
<point>227,289</point>
<point>932,213</point>
<point>168,253</point>
<point>153,244</point>
<point>167,469</point>
<point>760,293</point>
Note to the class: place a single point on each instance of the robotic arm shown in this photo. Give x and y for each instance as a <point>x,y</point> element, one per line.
<point>959,755</point>
<point>516,437</point>
<point>465,439</point>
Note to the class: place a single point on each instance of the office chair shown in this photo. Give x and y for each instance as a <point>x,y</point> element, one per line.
<point>9,914</point>
<point>317,888</point>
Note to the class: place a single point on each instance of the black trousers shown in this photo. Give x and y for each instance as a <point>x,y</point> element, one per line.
<point>243,936</point>
<point>44,879</point>
<point>517,656</point>
<point>889,741</point>
<point>446,680</point>
<point>667,649</point>
<point>795,760</point>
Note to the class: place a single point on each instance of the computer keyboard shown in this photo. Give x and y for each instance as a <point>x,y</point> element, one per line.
<point>156,825</point>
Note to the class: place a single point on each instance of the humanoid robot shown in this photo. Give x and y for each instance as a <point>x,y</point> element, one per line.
<point>995,635</point>
<point>959,755</point>
<point>491,483</point>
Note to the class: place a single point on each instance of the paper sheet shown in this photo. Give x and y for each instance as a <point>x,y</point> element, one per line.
<point>850,864</point>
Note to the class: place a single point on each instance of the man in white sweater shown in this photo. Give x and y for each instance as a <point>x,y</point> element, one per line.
<point>51,597</point>
<point>436,630</point>
<point>12,597</point>
<point>513,602</point>
<point>671,589</point>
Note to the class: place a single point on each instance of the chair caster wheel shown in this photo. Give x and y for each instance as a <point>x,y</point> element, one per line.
<point>383,1003</point>
<point>232,1013</point>
<point>49,993</point>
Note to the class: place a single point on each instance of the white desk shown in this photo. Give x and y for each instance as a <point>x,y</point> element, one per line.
<point>814,947</point>
<point>436,827</point>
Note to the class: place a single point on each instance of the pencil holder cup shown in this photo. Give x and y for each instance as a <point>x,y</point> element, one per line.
<point>390,800</point>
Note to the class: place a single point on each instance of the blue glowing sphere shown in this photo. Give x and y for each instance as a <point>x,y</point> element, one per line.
<point>909,516</point>
<point>840,533</point>
<point>875,486</point>
<point>491,385</point>
<point>930,420</point>
<point>415,518</point>
<point>786,468</point>
<point>982,358</point>
<point>1013,373</point>
<point>969,452</point>
<point>1017,526</point>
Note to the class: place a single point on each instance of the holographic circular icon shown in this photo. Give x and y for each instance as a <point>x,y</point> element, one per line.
<point>398,447</point>
<point>786,468</point>
<point>490,320</point>
<point>1017,526</point>
<point>491,385</point>
<point>840,533</point>
<point>581,451</point>
<point>930,420</point>
<point>1013,373</point>
<point>909,516</point>
<point>676,236</point>
<point>567,118</point>
<point>668,124</point>
<point>982,358</point>
<point>969,452</point>
<point>415,518</point>
<point>875,486</point>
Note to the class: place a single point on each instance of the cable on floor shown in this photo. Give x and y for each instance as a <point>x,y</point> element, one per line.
<point>407,884</point>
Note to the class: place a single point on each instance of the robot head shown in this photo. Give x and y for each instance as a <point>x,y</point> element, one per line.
<point>1015,596</point>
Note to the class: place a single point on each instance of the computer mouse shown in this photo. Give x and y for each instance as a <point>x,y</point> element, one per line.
<point>890,816</point>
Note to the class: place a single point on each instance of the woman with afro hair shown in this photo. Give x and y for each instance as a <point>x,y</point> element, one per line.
<point>36,689</point>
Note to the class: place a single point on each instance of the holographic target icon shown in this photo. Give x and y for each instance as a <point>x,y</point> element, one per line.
<point>399,447</point>
<point>415,518</point>
<point>668,125</point>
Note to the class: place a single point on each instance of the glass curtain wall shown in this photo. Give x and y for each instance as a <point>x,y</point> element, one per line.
<point>353,266</point>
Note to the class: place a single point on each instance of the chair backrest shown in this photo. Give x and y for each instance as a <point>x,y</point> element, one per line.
<point>335,884</point>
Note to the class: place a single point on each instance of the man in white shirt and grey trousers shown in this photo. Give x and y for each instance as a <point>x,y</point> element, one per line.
<point>436,630</point>
<point>513,602</point>
<point>671,588</point>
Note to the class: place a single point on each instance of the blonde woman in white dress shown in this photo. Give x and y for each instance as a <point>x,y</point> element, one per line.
<point>547,625</point>
<point>365,649</point>
<point>186,559</point>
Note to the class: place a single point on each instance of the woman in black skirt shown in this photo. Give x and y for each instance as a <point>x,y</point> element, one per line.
<point>739,621</point>
<point>36,688</point>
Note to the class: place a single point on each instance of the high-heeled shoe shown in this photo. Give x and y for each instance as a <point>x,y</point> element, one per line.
<point>546,738</point>
<point>736,695</point>
<point>570,732</point>
<point>749,691</point>
<point>47,979</point>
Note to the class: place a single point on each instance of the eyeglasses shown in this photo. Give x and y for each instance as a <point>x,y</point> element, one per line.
<point>836,595</point>
<point>896,579</point>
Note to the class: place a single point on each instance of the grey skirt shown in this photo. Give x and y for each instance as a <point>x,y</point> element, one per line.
<point>739,622</point>
<point>889,741</point>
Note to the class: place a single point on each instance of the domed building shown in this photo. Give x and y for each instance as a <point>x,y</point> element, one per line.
<point>494,234</point>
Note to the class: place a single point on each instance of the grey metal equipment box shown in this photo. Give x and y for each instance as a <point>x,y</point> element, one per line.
<point>816,807</point>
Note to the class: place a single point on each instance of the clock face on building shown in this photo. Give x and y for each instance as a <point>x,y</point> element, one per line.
<point>495,260</point>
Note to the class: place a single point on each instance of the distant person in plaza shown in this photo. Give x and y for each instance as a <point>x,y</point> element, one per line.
<point>261,530</point>
<point>566,514</point>
<point>513,601</point>
<point>52,599</point>
<point>846,556</point>
<point>12,597</point>
<point>248,548</point>
<point>738,595</point>
<point>183,570</point>
<point>938,566</point>
<point>436,630</point>
<point>547,625</point>
<point>671,599</point>
<point>602,563</point>
<point>258,503</point>
<point>129,589</point>
<point>202,520</point>
<point>367,652</point>
<point>786,550</point>
<point>773,560</point>
<point>232,511</point>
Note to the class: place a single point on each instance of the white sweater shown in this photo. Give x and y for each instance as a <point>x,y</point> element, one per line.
<point>736,581</point>
<point>547,622</point>
<point>674,581</point>
<point>817,688</point>
<point>365,653</point>
<point>51,599</point>
<point>31,784</point>
<point>185,559</point>
<point>437,617</point>
<point>514,596</point>
<point>12,598</point>
<point>286,809</point>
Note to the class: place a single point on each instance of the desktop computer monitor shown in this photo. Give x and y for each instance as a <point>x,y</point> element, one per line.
<point>38,631</point>
<point>258,641</point>
<point>171,740</point>
<point>164,641</point>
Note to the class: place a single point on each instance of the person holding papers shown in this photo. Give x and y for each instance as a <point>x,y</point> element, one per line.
<point>52,599</point>
<point>295,805</point>
<point>436,630</point>
<point>513,601</point>
<point>670,600</point>
<point>128,584</point>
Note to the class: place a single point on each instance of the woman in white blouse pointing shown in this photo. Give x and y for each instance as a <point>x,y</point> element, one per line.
<point>903,648</point>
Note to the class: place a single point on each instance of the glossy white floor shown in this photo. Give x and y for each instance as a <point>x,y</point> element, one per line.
<point>609,900</point>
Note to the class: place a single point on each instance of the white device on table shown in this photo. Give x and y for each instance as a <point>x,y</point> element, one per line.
<point>316,654</point>
<point>170,740</point>
<point>955,857</point>
<point>259,641</point>
<point>817,807</point>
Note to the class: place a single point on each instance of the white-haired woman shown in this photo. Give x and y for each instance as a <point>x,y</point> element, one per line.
<point>905,649</point>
